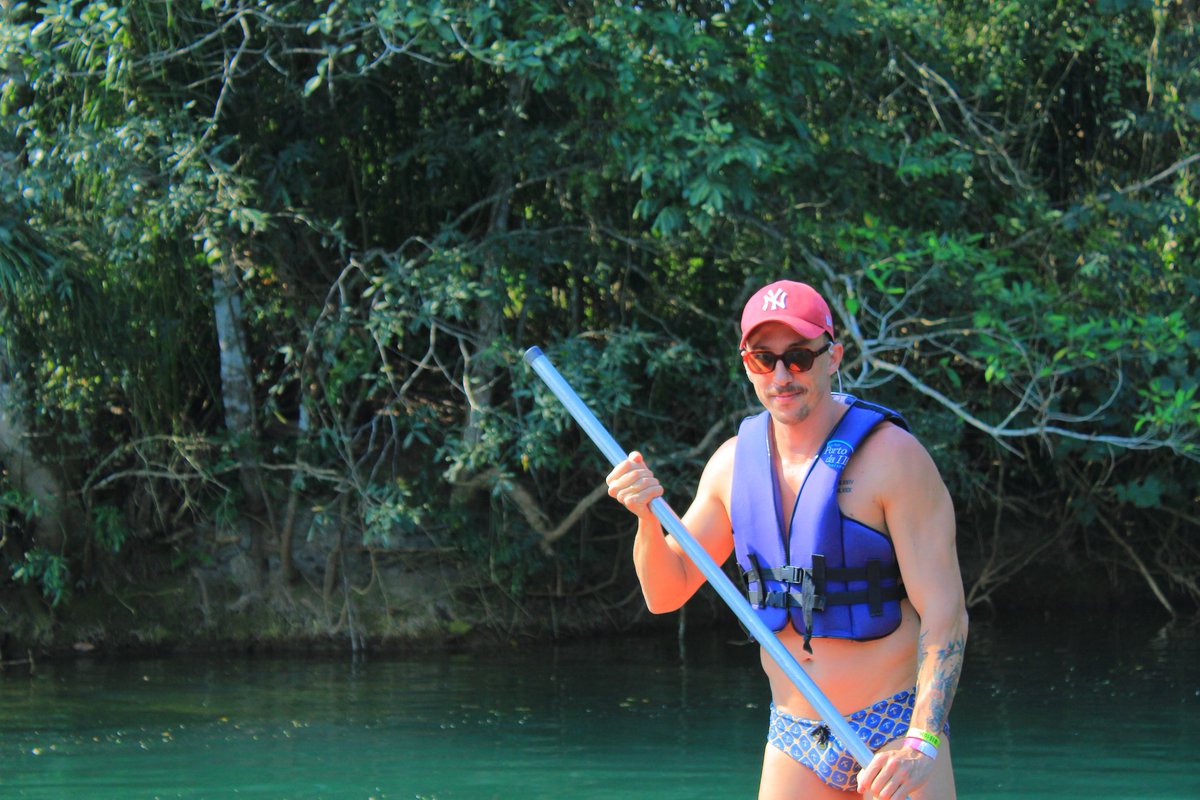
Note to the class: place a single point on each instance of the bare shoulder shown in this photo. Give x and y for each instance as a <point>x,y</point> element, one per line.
<point>717,478</point>
<point>890,465</point>
<point>723,457</point>
<point>892,449</point>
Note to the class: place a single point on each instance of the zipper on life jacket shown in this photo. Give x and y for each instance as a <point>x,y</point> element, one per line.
<point>785,526</point>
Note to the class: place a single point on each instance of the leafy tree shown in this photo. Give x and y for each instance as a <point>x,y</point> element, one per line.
<point>268,269</point>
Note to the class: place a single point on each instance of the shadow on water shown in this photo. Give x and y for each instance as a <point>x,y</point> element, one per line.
<point>1078,707</point>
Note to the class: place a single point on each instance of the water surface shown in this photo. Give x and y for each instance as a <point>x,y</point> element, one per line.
<point>1049,708</point>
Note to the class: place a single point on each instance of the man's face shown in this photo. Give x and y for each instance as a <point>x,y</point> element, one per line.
<point>791,396</point>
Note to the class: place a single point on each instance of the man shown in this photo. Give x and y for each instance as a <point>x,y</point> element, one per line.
<point>860,580</point>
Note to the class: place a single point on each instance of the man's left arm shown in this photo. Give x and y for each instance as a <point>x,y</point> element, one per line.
<point>920,519</point>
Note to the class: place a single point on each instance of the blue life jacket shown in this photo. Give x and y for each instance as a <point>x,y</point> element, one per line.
<point>832,576</point>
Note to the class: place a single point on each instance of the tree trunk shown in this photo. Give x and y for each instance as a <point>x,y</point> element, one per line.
<point>57,516</point>
<point>237,397</point>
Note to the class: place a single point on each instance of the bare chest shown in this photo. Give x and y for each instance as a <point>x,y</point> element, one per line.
<point>857,491</point>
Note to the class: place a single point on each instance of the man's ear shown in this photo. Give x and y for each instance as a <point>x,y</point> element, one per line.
<point>835,357</point>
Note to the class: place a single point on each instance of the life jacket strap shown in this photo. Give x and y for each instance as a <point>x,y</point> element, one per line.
<point>785,599</point>
<point>873,571</point>
<point>805,588</point>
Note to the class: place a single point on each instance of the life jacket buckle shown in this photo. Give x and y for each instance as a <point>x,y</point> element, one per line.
<point>793,575</point>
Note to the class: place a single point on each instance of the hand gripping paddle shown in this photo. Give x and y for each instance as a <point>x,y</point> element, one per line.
<point>700,557</point>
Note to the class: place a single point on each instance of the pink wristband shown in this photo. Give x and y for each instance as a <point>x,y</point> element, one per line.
<point>921,746</point>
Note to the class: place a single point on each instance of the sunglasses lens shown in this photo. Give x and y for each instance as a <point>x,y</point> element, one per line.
<point>760,362</point>
<point>799,360</point>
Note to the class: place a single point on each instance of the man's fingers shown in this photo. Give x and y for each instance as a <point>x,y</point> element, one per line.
<point>632,484</point>
<point>867,774</point>
<point>892,775</point>
<point>883,777</point>
<point>621,476</point>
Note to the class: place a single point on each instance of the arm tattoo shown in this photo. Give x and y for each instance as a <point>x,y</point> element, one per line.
<point>946,667</point>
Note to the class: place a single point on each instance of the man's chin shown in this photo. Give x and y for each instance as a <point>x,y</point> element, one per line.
<point>789,413</point>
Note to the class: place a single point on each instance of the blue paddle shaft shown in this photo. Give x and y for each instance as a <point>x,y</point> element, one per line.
<point>703,561</point>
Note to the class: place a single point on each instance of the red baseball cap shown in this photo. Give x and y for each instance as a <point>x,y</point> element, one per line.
<point>794,304</point>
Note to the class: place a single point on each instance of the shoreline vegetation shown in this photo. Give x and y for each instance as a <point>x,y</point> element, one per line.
<point>189,614</point>
<point>267,270</point>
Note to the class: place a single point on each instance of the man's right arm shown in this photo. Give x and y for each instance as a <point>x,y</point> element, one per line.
<point>668,577</point>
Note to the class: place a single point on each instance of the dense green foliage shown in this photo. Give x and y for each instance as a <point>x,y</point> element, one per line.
<point>369,209</point>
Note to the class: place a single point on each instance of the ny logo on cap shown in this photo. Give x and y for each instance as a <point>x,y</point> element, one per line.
<point>775,299</point>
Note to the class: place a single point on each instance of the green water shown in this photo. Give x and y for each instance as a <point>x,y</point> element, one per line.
<point>1058,708</point>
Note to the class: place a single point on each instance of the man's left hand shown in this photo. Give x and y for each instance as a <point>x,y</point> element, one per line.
<point>895,774</point>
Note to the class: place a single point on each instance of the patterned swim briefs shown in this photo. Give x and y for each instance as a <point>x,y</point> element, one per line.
<point>811,743</point>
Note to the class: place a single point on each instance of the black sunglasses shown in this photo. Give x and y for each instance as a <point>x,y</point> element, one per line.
<point>796,359</point>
